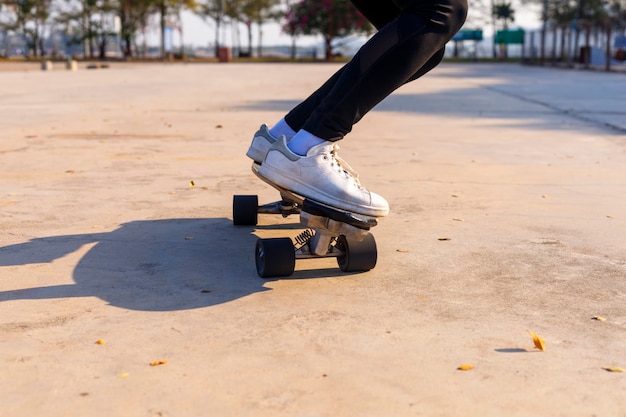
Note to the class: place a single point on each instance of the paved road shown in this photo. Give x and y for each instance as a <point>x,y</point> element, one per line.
<point>506,185</point>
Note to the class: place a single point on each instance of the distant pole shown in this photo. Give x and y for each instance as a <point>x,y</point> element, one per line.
<point>493,25</point>
<point>544,28</point>
<point>608,44</point>
<point>163,10</point>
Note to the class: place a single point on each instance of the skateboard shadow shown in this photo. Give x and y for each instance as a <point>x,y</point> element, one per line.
<point>152,265</point>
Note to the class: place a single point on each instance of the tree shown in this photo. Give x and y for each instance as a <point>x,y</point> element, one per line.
<point>170,8</point>
<point>257,11</point>
<point>291,27</point>
<point>133,18</point>
<point>215,10</point>
<point>85,20</point>
<point>30,18</point>
<point>569,16</point>
<point>504,12</point>
<point>329,18</point>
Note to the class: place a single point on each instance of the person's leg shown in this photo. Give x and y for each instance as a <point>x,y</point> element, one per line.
<point>379,13</point>
<point>401,51</point>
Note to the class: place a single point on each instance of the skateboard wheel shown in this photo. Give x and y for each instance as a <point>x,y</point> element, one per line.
<point>358,255</point>
<point>245,210</point>
<point>275,257</point>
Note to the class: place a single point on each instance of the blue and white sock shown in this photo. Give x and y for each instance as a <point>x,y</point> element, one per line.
<point>282,128</point>
<point>303,141</point>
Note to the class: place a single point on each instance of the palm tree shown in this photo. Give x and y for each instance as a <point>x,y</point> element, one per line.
<point>504,12</point>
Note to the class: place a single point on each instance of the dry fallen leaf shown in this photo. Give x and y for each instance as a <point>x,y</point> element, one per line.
<point>538,341</point>
<point>444,238</point>
<point>100,342</point>
<point>457,219</point>
<point>598,318</point>
<point>192,184</point>
<point>124,375</point>
<point>614,369</point>
<point>465,367</point>
<point>402,250</point>
<point>159,362</point>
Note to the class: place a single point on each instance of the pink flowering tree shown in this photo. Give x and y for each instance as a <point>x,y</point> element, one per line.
<point>329,18</point>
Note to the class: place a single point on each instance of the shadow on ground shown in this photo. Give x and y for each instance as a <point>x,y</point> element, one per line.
<point>154,265</point>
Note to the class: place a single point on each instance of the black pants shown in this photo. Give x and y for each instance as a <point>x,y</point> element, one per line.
<point>410,42</point>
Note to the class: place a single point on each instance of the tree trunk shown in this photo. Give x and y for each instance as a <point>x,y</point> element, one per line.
<point>162,11</point>
<point>218,22</point>
<point>124,38</point>
<point>329,48</point>
<point>553,54</point>
<point>259,51</point>
<point>249,27</point>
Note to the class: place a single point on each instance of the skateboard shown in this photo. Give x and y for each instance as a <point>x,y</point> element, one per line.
<point>329,232</point>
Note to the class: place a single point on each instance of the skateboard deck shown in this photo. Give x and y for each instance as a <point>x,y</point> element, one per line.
<point>330,232</point>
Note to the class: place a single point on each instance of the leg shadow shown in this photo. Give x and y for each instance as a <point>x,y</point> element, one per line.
<point>152,265</point>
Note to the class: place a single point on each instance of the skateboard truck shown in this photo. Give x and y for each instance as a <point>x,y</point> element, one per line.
<point>284,208</point>
<point>330,233</point>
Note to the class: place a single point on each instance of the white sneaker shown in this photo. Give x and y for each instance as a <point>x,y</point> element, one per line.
<point>321,176</point>
<point>261,143</point>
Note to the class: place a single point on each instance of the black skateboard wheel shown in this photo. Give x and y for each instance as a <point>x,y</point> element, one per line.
<point>275,257</point>
<point>245,210</point>
<point>358,255</point>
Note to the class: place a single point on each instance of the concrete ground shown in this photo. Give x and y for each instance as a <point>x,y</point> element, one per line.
<point>508,211</point>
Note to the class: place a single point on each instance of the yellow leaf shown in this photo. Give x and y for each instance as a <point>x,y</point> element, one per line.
<point>402,250</point>
<point>159,362</point>
<point>192,184</point>
<point>100,342</point>
<point>124,375</point>
<point>538,341</point>
<point>614,369</point>
<point>465,367</point>
<point>598,318</point>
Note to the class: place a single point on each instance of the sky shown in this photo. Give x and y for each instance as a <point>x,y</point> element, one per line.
<point>200,33</point>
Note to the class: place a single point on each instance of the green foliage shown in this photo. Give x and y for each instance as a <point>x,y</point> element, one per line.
<point>591,12</point>
<point>505,13</point>
<point>329,18</point>
<point>29,20</point>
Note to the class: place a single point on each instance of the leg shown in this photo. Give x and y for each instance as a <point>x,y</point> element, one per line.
<point>403,50</point>
<point>381,14</point>
<point>298,116</point>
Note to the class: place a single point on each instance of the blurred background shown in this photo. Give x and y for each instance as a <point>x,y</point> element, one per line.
<point>558,32</point>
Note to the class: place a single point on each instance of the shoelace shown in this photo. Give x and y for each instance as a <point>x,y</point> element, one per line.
<point>343,166</point>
